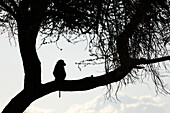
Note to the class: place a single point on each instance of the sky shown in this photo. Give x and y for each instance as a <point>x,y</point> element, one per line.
<point>134,98</point>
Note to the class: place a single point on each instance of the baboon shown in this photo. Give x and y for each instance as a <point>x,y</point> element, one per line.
<point>59,72</point>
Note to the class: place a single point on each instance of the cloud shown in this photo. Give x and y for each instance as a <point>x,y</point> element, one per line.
<point>33,109</point>
<point>129,104</point>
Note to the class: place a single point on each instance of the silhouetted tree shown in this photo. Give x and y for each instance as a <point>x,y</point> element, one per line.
<point>126,35</point>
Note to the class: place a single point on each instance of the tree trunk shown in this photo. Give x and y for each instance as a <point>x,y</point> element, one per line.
<point>32,67</point>
<point>28,29</point>
<point>27,39</point>
<point>28,24</point>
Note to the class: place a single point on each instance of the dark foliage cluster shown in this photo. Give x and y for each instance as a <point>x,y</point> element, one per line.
<point>69,17</point>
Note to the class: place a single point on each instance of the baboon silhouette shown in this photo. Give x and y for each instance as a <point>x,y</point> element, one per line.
<point>59,72</point>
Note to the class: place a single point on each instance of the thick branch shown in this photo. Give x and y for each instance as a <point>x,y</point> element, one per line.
<point>93,82</point>
<point>151,61</point>
<point>20,102</point>
<point>86,83</point>
<point>122,40</point>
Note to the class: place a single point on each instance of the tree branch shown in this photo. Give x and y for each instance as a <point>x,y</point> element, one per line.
<point>15,106</point>
<point>122,40</point>
<point>151,61</point>
<point>85,83</point>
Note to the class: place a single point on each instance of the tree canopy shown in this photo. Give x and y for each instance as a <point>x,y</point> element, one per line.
<point>124,35</point>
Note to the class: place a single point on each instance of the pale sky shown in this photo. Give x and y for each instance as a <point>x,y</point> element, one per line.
<point>136,98</point>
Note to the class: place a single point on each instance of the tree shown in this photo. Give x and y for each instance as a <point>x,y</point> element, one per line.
<point>125,35</point>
